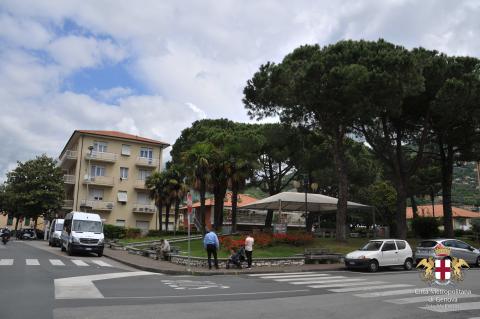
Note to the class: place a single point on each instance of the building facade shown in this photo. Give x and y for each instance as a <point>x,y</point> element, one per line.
<point>105,173</point>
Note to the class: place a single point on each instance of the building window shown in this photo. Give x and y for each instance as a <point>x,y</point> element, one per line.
<point>146,152</point>
<point>120,222</point>
<point>123,172</point>
<point>100,147</point>
<point>10,220</point>
<point>143,174</point>
<point>126,149</point>
<point>97,170</point>
<point>122,196</point>
<point>27,222</point>
<point>96,194</point>
<point>143,198</point>
<point>143,225</point>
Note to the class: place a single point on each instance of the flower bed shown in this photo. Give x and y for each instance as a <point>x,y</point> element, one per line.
<point>266,239</point>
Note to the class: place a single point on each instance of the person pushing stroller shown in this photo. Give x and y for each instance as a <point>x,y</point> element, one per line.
<point>237,257</point>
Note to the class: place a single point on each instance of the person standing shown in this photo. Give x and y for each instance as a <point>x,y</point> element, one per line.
<point>211,244</point>
<point>249,250</point>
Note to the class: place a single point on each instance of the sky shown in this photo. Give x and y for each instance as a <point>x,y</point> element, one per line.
<point>151,68</point>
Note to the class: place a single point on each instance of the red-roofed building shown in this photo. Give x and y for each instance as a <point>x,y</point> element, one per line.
<point>246,219</point>
<point>105,173</point>
<point>461,217</point>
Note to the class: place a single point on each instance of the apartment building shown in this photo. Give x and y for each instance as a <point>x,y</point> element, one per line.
<point>105,173</point>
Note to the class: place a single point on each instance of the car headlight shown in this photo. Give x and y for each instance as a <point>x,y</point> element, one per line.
<point>363,257</point>
<point>100,241</point>
<point>75,240</point>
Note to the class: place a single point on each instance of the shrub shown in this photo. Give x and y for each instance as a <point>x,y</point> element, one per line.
<point>425,227</point>
<point>133,232</point>
<point>114,232</point>
<point>155,233</point>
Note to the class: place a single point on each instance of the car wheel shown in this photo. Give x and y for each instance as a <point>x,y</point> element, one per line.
<point>478,261</point>
<point>408,265</point>
<point>62,247</point>
<point>49,243</point>
<point>373,266</point>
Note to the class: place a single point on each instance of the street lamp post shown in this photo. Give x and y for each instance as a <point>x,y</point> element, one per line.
<point>90,149</point>
<point>306,185</point>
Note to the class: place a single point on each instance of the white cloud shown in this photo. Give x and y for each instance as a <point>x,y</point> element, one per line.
<point>193,58</point>
<point>75,52</point>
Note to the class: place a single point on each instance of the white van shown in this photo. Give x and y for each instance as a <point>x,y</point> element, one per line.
<point>55,233</point>
<point>82,232</point>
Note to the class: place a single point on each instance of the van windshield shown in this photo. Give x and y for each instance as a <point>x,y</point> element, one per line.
<point>87,226</point>
<point>58,226</point>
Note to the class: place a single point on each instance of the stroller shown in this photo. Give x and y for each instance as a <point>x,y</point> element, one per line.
<point>237,258</point>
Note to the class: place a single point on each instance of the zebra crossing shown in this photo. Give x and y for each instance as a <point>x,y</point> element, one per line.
<point>365,287</point>
<point>54,262</point>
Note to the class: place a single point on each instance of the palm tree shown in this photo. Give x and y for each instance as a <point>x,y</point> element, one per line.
<point>197,162</point>
<point>156,183</point>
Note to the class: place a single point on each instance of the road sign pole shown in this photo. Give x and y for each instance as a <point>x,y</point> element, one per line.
<point>189,210</point>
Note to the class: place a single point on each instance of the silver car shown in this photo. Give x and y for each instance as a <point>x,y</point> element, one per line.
<point>458,248</point>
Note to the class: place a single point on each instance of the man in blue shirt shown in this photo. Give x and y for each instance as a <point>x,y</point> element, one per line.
<point>211,244</point>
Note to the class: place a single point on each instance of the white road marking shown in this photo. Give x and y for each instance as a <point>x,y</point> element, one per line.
<point>403,301</point>
<point>192,284</point>
<point>57,262</point>
<point>281,273</point>
<point>347,284</point>
<point>327,281</point>
<point>293,276</point>
<point>387,293</point>
<point>370,288</point>
<point>212,295</point>
<point>79,262</point>
<point>453,307</point>
<point>101,263</point>
<point>307,278</point>
<point>322,280</point>
<point>32,262</point>
<point>82,287</point>
<point>6,262</point>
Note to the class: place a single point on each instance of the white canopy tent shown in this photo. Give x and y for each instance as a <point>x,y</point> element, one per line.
<point>291,201</point>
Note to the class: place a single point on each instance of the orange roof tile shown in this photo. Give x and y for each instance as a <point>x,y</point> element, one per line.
<point>121,135</point>
<point>426,211</point>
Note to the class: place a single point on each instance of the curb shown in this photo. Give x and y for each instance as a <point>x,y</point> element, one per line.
<point>206,273</point>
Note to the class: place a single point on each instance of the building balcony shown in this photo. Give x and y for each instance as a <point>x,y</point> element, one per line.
<point>144,208</point>
<point>67,204</point>
<point>69,179</point>
<point>68,156</point>
<point>147,162</point>
<point>101,157</point>
<point>97,204</point>
<point>99,180</point>
<point>140,184</point>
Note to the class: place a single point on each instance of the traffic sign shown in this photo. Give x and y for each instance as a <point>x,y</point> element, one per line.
<point>189,202</point>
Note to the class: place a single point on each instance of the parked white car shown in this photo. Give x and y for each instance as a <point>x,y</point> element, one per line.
<point>381,253</point>
<point>55,232</point>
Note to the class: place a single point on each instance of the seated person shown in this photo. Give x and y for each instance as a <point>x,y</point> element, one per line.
<point>236,258</point>
<point>164,250</point>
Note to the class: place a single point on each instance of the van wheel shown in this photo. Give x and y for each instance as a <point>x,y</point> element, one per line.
<point>478,261</point>
<point>100,253</point>
<point>62,247</point>
<point>373,266</point>
<point>408,265</point>
<point>49,243</point>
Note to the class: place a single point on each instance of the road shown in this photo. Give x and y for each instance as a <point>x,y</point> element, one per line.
<point>43,282</point>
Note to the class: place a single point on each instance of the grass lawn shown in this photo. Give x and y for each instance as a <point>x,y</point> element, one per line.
<point>148,238</point>
<point>282,250</point>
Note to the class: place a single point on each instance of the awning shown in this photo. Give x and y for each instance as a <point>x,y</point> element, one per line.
<point>292,201</point>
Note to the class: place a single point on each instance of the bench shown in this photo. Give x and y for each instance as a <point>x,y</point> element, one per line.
<point>321,255</point>
<point>174,250</point>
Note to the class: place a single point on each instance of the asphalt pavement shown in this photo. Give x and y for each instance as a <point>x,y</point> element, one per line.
<point>58,286</point>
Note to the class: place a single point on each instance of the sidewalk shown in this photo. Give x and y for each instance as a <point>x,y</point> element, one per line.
<point>160,266</point>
